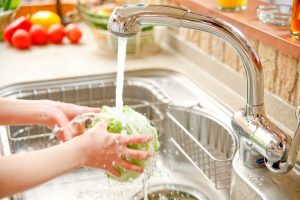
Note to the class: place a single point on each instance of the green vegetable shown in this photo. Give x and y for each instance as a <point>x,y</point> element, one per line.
<point>9,4</point>
<point>132,123</point>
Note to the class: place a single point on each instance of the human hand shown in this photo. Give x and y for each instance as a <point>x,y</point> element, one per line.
<point>105,150</point>
<point>43,112</point>
<point>60,114</point>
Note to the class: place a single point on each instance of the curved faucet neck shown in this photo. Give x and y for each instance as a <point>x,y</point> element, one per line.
<point>126,21</point>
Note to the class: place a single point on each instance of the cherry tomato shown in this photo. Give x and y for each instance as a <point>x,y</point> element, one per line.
<point>56,33</point>
<point>21,39</point>
<point>20,23</point>
<point>73,33</point>
<point>39,35</point>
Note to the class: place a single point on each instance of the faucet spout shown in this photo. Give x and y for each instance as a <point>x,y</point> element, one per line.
<point>260,140</point>
<point>126,21</point>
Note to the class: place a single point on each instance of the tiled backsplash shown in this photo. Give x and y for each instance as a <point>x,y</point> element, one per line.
<point>281,71</point>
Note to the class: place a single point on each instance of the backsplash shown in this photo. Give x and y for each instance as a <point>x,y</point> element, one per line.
<point>281,71</point>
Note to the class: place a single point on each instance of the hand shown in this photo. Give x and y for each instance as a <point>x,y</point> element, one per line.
<point>105,150</point>
<point>62,113</point>
<point>44,112</point>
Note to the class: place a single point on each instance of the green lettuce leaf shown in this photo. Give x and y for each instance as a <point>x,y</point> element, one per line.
<point>129,122</point>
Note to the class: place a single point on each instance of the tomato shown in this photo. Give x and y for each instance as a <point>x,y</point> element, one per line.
<point>56,33</point>
<point>38,35</point>
<point>45,18</point>
<point>20,23</point>
<point>21,39</point>
<point>73,33</point>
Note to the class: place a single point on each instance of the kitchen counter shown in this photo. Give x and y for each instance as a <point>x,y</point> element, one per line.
<point>67,60</point>
<point>63,61</point>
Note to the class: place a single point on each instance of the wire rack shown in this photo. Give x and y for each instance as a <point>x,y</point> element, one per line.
<point>207,143</point>
<point>202,138</point>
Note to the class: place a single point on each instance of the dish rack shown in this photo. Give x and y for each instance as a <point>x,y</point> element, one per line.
<point>197,133</point>
<point>205,141</point>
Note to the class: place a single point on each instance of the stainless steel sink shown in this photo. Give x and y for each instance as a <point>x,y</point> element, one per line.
<point>197,141</point>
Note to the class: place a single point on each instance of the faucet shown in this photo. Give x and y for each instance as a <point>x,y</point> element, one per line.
<point>261,142</point>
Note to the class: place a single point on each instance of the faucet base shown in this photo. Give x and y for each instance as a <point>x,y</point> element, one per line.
<point>249,157</point>
<point>260,183</point>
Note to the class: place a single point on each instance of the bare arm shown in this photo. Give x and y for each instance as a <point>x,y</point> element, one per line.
<point>44,112</point>
<point>23,171</point>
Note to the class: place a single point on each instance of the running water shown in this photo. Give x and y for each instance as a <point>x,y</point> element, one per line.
<point>122,42</point>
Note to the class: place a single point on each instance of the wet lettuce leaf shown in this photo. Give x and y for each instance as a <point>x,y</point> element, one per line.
<point>130,122</point>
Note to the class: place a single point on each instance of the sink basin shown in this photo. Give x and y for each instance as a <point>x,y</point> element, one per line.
<point>194,160</point>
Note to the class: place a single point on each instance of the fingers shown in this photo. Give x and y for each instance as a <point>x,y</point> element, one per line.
<point>129,166</point>
<point>137,154</point>
<point>84,109</point>
<point>113,172</point>
<point>102,125</point>
<point>75,129</point>
<point>74,110</point>
<point>61,121</point>
<point>93,109</point>
<point>134,139</point>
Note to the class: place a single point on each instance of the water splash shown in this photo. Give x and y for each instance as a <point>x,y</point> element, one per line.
<point>151,168</point>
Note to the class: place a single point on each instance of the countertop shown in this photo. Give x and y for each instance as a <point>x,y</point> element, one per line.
<point>63,61</point>
<point>67,60</point>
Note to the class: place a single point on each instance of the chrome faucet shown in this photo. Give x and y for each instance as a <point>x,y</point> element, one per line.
<point>261,142</point>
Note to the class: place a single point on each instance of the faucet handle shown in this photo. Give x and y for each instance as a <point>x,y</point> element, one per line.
<point>291,158</point>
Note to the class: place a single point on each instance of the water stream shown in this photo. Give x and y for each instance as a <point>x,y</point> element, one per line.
<point>122,42</point>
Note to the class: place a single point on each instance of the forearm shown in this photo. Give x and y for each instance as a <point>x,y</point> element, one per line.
<point>23,112</point>
<point>23,171</point>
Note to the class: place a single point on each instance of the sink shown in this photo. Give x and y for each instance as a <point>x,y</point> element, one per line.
<point>197,142</point>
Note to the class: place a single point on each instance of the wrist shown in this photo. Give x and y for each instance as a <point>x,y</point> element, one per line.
<point>80,148</point>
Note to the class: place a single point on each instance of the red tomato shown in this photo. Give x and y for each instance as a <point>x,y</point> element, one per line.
<point>56,33</point>
<point>20,23</point>
<point>38,35</point>
<point>73,33</point>
<point>21,39</point>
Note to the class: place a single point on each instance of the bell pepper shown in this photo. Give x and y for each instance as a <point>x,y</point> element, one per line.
<point>20,23</point>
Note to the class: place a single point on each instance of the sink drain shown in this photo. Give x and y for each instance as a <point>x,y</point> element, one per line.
<point>170,192</point>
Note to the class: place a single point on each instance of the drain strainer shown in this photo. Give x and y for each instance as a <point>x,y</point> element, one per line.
<point>170,192</point>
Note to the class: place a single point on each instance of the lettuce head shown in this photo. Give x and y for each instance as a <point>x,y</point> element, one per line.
<point>129,122</point>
